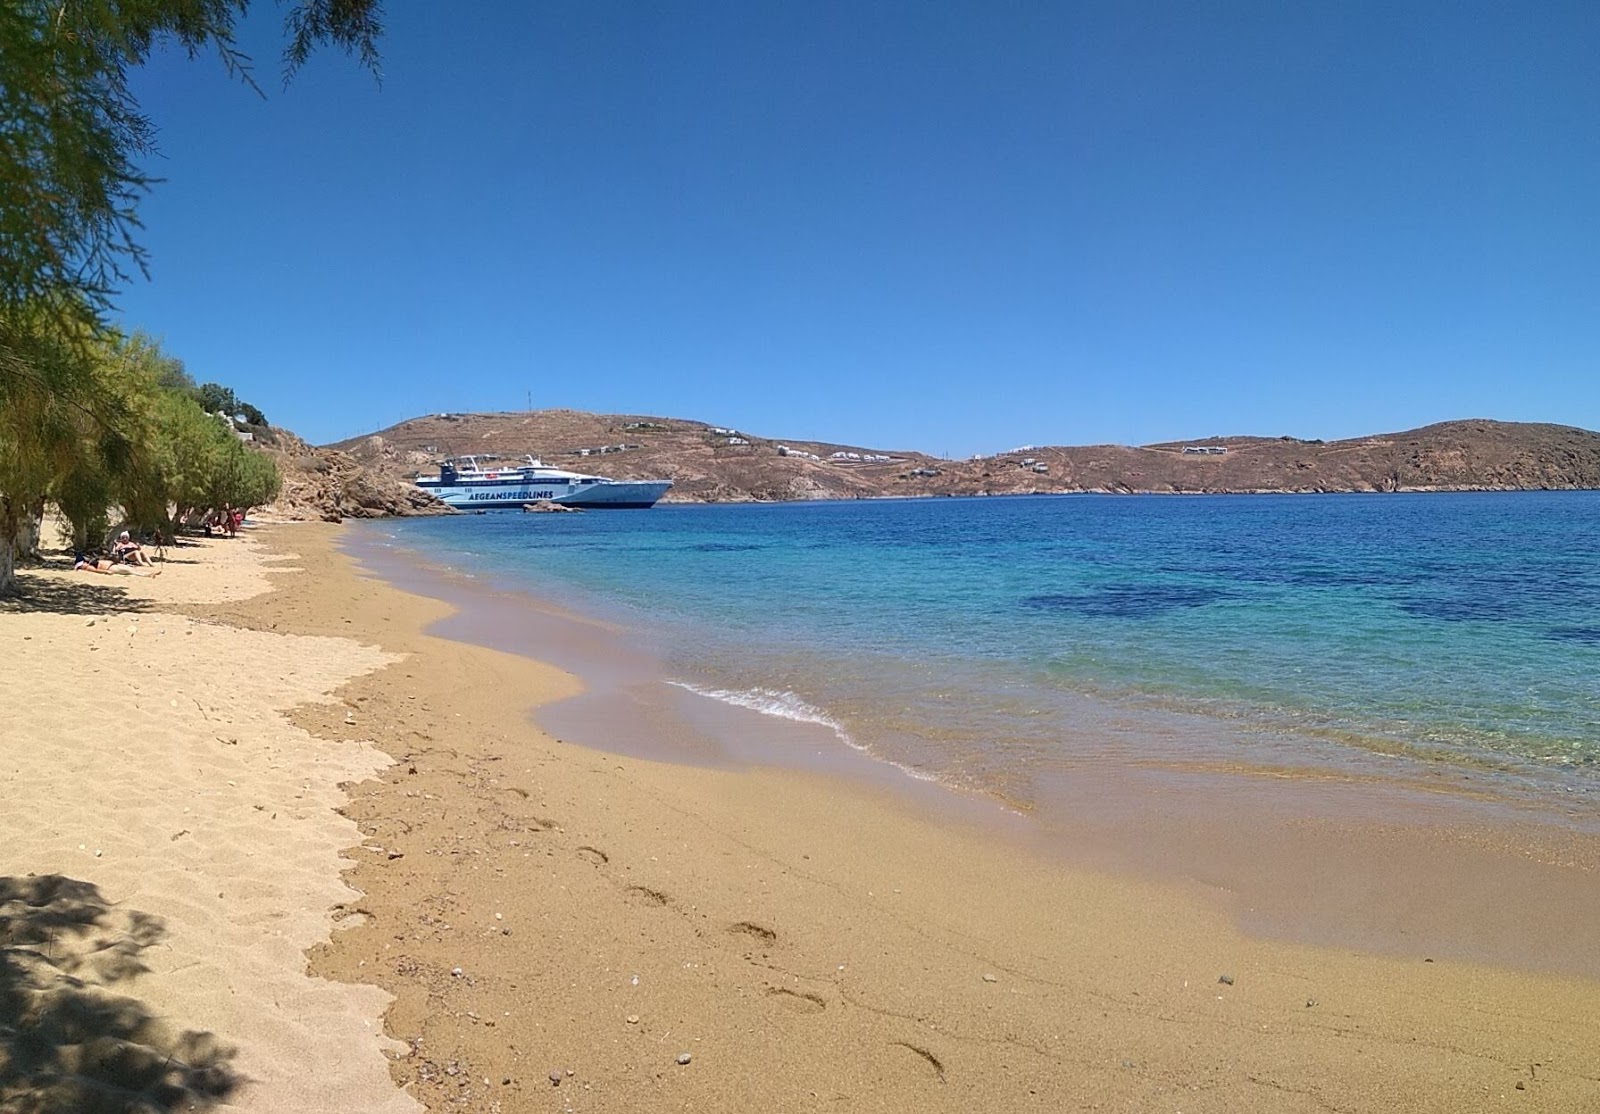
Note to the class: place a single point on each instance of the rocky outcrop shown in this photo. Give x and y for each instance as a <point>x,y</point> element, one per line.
<point>331,485</point>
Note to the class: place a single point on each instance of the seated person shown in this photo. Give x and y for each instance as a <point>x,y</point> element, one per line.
<point>129,551</point>
<point>90,563</point>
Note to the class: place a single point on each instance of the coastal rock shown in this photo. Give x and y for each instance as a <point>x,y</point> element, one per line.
<point>329,485</point>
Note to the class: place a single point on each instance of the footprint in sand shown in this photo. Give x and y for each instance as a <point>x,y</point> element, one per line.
<point>759,931</point>
<point>646,896</point>
<point>798,1000</point>
<point>593,854</point>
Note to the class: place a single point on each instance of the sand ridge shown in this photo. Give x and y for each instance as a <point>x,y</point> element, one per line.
<point>163,813</point>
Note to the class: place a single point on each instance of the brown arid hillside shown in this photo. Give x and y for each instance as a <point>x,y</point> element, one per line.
<point>714,464</point>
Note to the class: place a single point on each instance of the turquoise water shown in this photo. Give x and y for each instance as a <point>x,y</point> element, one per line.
<point>983,640</point>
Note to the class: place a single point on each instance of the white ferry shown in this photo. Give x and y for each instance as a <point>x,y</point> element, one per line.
<point>463,484</point>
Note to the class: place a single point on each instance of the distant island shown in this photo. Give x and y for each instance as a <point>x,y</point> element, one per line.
<point>369,476</point>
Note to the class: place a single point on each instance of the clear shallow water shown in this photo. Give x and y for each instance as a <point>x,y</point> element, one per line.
<point>988,642</point>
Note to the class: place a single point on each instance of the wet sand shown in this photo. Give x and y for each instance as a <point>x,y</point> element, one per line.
<point>559,925</point>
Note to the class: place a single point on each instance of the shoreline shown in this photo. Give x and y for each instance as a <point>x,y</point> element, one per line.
<point>555,926</point>
<point>1470,489</point>
<point>810,942</point>
<point>1285,847</point>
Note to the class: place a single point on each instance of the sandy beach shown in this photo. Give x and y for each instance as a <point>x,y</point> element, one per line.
<point>262,755</point>
<point>172,845</point>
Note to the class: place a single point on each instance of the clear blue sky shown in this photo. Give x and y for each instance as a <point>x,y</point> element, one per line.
<point>951,226</point>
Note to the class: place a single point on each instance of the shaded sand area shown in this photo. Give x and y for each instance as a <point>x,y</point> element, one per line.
<point>169,847</point>
<point>562,928</point>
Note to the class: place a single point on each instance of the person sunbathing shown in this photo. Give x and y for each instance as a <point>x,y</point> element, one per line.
<point>108,566</point>
<point>130,552</point>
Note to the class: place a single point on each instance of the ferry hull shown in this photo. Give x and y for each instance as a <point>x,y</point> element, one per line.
<point>490,494</point>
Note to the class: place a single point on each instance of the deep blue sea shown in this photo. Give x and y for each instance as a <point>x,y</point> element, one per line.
<point>979,641</point>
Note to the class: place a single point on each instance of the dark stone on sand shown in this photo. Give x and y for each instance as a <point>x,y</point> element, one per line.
<point>1225,980</point>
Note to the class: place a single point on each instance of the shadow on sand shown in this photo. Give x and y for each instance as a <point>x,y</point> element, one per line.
<point>90,595</point>
<point>69,1044</point>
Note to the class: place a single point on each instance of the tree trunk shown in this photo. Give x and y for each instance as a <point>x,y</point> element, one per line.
<point>8,547</point>
<point>29,526</point>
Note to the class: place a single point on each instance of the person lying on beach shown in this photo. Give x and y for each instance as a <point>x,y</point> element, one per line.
<point>129,551</point>
<point>106,565</point>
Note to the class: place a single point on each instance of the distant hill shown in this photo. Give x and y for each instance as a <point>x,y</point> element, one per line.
<point>714,464</point>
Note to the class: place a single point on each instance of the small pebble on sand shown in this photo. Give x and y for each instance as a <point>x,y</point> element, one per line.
<point>1225,980</point>
<point>633,1019</point>
<point>684,1058</point>
<point>990,978</point>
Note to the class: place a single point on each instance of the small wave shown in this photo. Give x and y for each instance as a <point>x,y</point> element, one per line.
<point>786,705</point>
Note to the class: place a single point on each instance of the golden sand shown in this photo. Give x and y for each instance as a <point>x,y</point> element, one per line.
<point>559,927</point>
<point>174,841</point>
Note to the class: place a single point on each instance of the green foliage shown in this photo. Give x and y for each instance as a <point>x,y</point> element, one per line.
<point>73,136</point>
<point>94,421</point>
<point>88,417</point>
<point>171,374</point>
<point>55,415</point>
<point>214,398</point>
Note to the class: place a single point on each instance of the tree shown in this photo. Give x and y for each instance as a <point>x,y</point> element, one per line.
<point>96,422</point>
<point>171,374</point>
<point>214,398</point>
<point>74,136</point>
<point>122,469</point>
<point>54,409</point>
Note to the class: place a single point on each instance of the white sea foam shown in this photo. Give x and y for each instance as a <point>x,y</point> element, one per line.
<point>786,705</point>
